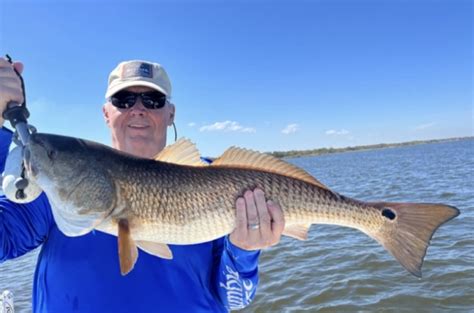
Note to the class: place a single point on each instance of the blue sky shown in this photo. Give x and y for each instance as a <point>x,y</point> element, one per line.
<point>265,75</point>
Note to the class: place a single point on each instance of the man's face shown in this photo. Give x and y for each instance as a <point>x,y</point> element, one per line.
<point>138,130</point>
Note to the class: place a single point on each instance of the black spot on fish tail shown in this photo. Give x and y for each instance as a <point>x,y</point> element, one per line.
<point>389,214</point>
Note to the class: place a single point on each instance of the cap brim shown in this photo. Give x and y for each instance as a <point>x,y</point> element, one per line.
<point>123,85</point>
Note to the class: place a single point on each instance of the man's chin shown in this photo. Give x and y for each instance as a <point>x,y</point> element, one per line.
<point>139,141</point>
<point>140,146</point>
<point>134,131</point>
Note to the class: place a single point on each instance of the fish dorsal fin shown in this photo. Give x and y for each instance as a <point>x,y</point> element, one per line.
<point>259,161</point>
<point>182,152</point>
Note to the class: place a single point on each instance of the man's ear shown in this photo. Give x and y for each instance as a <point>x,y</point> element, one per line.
<point>106,114</point>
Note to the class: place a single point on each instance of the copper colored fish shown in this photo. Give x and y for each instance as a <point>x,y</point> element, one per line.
<point>177,199</point>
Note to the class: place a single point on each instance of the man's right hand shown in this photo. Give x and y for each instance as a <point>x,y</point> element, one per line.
<point>10,85</point>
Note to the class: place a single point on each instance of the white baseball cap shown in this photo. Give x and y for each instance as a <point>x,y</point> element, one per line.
<point>138,73</point>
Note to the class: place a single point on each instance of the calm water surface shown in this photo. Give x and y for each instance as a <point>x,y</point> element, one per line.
<point>342,270</point>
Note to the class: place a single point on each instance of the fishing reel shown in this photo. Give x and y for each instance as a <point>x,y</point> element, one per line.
<point>15,184</point>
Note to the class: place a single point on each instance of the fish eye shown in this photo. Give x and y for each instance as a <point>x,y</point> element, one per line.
<point>52,154</point>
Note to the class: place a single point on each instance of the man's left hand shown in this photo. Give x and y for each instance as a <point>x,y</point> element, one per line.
<point>259,223</point>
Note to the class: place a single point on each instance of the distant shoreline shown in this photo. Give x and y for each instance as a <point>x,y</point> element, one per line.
<point>321,151</point>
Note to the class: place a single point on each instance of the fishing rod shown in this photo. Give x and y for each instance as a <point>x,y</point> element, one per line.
<point>17,114</point>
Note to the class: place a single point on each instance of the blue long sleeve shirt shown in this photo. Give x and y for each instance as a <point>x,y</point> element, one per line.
<point>82,274</point>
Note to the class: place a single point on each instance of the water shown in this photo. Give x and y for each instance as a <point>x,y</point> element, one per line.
<point>342,270</point>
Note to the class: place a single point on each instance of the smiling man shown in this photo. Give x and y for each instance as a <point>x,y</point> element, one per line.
<point>140,129</point>
<point>81,274</point>
<point>135,128</point>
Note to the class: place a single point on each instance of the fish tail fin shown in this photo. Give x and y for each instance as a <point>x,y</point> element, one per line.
<point>409,228</point>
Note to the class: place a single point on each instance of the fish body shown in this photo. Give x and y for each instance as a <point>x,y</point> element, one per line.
<point>179,204</point>
<point>151,203</point>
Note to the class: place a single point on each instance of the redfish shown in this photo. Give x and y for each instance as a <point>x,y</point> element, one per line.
<point>177,199</point>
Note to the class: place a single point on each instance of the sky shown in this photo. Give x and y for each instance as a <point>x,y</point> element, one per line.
<point>264,75</point>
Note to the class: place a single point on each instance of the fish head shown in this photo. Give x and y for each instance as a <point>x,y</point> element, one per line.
<point>52,158</point>
<point>72,174</point>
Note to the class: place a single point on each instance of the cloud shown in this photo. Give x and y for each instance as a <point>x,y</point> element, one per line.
<point>192,124</point>
<point>424,126</point>
<point>290,129</point>
<point>333,132</point>
<point>227,126</point>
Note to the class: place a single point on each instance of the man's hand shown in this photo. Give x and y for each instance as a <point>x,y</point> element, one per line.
<point>259,222</point>
<point>10,85</point>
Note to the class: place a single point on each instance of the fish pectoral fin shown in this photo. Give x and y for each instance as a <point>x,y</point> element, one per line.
<point>297,231</point>
<point>182,152</point>
<point>155,248</point>
<point>128,252</point>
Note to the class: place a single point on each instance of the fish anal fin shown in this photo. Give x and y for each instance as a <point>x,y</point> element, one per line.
<point>297,231</point>
<point>155,248</point>
<point>182,152</point>
<point>238,157</point>
<point>128,252</point>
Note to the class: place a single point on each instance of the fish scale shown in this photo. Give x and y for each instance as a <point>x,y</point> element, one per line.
<point>303,203</point>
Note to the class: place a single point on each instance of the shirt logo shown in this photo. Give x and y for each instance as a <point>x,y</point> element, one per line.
<point>239,290</point>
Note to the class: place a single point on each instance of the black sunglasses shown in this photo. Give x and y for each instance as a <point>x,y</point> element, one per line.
<point>127,99</point>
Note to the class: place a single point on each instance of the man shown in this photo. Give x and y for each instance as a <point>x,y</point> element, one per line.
<point>81,274</point>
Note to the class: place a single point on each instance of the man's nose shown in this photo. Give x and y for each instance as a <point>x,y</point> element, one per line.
<point>138,108</point>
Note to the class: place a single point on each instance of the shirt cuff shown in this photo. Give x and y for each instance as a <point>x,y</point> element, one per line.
<point>5,129</point>
<point>5,138</point>
<point>240,255</point>
<point>5,141</point>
